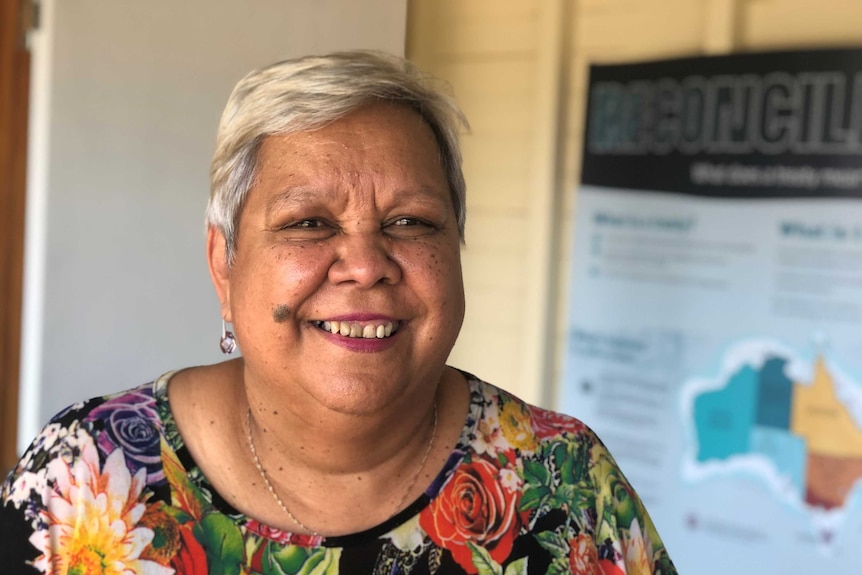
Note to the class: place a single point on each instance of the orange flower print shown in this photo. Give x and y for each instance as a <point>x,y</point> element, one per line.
<point>583,556</point>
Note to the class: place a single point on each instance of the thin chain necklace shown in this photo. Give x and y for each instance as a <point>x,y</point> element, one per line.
<point>278,499</point>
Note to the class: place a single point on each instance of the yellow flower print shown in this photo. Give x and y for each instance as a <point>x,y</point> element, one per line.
<point>515,422</point>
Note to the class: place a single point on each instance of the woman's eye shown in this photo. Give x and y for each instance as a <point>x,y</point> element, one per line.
<point>308,224</point>
<point>307,228</point>
<point>409,227</point>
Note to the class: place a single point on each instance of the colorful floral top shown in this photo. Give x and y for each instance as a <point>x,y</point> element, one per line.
<point>108,487</point>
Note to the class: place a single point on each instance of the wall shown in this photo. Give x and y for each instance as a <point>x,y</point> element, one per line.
<point>519,70</point>
<point>127,97</point>
<point>502,58</point>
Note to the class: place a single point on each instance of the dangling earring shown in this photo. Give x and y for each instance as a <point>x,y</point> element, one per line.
<point>228,340</point>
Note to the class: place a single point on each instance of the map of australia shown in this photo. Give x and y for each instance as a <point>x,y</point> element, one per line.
<point>803,426</point>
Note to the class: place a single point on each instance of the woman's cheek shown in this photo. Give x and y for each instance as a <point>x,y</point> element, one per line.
<point>433,258</point>
<point>297,268</point>
<point>284,279</point>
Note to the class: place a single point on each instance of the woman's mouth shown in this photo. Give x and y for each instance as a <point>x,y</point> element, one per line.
<point>360,329</point>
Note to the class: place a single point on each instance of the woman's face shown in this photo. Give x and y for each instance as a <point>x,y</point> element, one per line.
<point>346,288</point>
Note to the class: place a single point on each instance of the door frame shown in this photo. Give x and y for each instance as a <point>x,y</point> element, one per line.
<point>14,113</point>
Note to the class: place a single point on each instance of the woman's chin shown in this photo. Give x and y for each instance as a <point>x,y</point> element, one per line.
<point>358,394</point>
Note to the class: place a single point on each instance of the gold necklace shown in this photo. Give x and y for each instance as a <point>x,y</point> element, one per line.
<point>278,499</point>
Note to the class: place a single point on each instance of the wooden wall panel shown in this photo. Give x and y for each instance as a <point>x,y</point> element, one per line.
<point>779,24</point>
<point>14,89</point>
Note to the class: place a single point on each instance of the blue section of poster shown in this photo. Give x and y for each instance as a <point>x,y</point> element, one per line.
<point>774,393</point>
<point>724,418</point>
<point>785,450</point>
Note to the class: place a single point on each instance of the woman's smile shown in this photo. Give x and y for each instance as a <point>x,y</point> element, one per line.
<point>354,329</point>
<point>360,337</point>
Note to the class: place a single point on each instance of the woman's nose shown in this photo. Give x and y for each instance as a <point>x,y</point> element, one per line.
<point>364,258</point>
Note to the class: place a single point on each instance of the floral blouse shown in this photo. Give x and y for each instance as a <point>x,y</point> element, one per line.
<point>108,487</point>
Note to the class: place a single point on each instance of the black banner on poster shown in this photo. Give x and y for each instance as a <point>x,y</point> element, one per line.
<point>744,126</point>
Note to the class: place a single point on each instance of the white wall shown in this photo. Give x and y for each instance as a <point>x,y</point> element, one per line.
<point>126,100</point>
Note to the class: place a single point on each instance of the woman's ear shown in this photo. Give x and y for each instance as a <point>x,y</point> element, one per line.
<point>219,268</point>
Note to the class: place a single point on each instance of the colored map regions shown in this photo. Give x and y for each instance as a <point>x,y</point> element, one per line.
<point>803,428</point>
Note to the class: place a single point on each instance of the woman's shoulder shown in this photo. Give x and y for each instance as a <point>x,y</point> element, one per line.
<point>140,400</point>
<point>503,408</point>
<point>554,482</point>
<point>130,421</point>
<point>92,462</point>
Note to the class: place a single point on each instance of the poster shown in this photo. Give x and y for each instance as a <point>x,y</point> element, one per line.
<point>714,329</point>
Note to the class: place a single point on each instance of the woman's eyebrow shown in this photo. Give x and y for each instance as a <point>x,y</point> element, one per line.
<point>421,194</point>
<point>295,196</point>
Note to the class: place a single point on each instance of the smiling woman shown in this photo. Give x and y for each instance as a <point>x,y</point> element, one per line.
<point>340,442</point>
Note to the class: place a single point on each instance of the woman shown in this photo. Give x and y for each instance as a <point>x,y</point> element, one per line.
<point>339,442</point>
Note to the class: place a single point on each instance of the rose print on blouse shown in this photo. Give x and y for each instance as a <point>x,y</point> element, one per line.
<point>129,425</point>
<point>475,507</point>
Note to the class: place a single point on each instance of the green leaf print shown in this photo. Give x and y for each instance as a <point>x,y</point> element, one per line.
<point>553,542</point>
<point>564,459</point>
<point>297,560</point>
<point>626,507</point>
<point>559,566</point>
<point>663,564</point>
<point>322,562</point>
<point>536,474</point>
<point>534,498</point>
<point>483,562</point>
<point>564,497</point>
<point>222,542</point>
<point>582,461</point>
<point>283,559</point>
<point>518,567</point>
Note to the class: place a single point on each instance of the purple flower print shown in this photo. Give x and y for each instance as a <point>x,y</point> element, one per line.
<point>131,423</point>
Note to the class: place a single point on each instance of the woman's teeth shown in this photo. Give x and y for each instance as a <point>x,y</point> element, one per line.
<point>358,329</point>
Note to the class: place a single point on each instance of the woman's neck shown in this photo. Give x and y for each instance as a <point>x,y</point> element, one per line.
<point>323,442</point>
<point>337,473</point>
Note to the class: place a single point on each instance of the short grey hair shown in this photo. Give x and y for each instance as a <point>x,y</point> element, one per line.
<point>308,93</point>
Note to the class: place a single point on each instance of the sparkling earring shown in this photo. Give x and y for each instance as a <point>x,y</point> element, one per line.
<point>228,340</point>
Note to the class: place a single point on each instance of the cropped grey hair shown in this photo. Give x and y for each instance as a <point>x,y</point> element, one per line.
<point>308,93</point>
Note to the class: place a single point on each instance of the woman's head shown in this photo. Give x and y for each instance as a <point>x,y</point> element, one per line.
<point>335,227</point>
<point>308,93</point>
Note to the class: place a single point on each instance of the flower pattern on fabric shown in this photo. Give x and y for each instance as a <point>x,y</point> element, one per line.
<point>109,487</point>
<point>131,424</point>
<point>92,514</point>
<point>474,507</point>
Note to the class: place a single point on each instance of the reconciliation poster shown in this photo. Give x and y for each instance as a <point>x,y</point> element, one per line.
<point>714,330</point>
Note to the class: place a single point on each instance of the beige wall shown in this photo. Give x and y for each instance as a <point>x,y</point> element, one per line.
<point>502,59</point>
<point>519,67</point>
